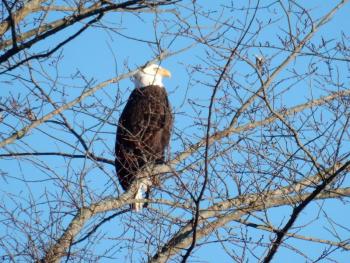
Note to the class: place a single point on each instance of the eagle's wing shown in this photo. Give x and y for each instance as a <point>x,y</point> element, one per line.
<point>143,131</point>
<point>145,118</point>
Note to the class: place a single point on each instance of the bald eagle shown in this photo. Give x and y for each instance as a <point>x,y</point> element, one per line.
<point>144,129</point>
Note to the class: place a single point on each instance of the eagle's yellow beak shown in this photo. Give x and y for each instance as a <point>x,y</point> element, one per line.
<point>164,72</point>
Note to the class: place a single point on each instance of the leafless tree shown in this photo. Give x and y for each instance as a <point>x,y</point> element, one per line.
<point>258,165</point>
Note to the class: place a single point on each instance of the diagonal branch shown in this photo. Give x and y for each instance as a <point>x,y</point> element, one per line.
<point>19,15</point>
<point>46,27</point>
<point>57,47</point>
<point>59,249</point>
<point>297,210</point>
<point>58,25</point>
<point>239,206</point>
<point>234,130</point>
<point>22,132</point>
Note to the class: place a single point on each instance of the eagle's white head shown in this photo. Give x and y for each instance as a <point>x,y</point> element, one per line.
<point>151,75</point>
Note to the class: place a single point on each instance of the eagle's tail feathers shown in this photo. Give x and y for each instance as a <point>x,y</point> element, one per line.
<point>139,195</point>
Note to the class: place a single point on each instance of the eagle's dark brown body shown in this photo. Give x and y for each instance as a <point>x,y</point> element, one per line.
<point>143,132</point>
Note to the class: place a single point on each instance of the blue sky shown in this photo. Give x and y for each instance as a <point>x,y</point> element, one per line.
<point>99,54</point>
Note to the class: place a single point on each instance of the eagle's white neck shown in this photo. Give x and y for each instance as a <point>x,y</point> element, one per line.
<point>147,80</point>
